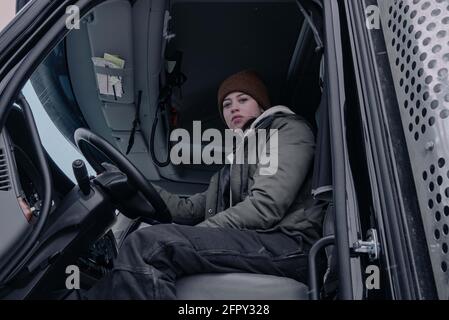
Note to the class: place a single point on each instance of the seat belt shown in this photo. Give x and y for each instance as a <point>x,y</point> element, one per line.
<point>136,121</point>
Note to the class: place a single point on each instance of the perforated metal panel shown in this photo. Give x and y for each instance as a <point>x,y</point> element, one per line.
<point>417,37</point>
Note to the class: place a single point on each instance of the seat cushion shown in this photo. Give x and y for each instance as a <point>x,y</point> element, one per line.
<point>239,286</point>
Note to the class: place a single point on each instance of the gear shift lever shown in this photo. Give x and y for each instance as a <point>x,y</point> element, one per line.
<point>81,176</point>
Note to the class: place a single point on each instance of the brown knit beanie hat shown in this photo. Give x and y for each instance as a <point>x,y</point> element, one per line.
<point>247,81</point>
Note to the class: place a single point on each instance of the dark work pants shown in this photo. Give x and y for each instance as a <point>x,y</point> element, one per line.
<point>151,259</point>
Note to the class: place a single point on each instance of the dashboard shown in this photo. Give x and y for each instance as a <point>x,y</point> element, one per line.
<point>21,186</point>
<point>16,214</point>
<point>71,228</point>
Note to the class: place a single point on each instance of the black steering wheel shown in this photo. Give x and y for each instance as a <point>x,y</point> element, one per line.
<point>83,135</point>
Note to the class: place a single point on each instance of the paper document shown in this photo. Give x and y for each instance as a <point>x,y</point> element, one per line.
<point>120,63</point>
<point>109,84</point>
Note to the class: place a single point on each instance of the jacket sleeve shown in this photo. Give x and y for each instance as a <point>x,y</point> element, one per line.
<point>187,211</point>
<point>272,194</point>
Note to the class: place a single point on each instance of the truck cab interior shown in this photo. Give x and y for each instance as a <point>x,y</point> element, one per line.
<point>173,56</point>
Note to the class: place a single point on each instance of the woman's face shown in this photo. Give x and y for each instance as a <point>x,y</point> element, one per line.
<point>238,108</point>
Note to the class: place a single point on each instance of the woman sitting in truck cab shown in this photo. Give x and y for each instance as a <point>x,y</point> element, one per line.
<point>251,220</point>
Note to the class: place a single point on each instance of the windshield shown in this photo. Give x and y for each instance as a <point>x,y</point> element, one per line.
<point>57,146</point>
